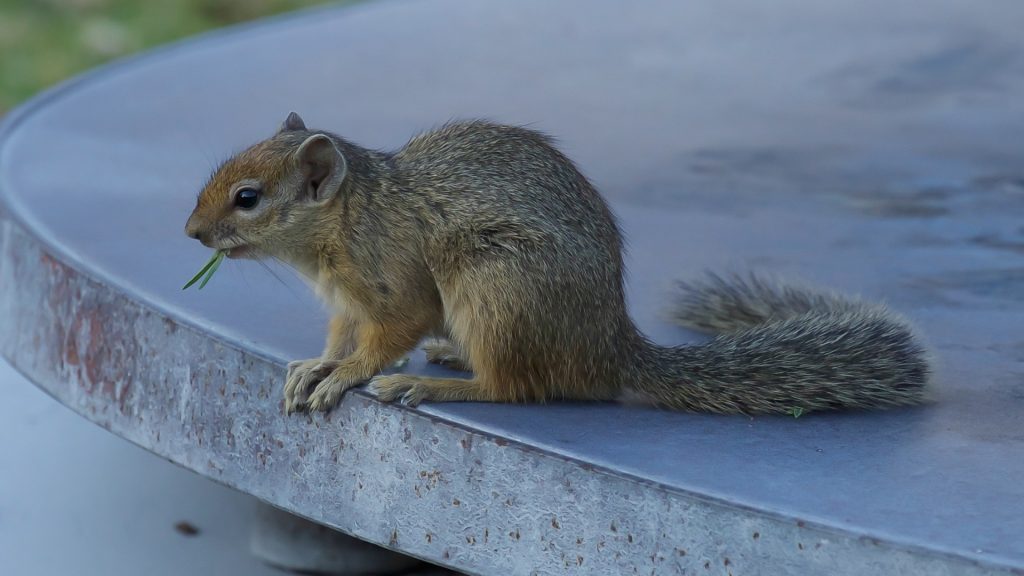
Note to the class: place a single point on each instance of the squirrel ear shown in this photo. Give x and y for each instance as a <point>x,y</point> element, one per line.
<point>323,167</point>
<point>292,123</point>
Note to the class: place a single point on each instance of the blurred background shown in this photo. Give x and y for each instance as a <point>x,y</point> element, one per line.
<point>45,41</point>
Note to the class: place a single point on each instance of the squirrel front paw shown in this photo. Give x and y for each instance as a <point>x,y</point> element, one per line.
<point>303,375</point>
<point>328,393</point>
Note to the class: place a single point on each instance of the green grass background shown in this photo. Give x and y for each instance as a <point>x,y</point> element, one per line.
<point>44,41</point>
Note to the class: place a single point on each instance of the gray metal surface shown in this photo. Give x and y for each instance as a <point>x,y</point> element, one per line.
<point>867,146</point>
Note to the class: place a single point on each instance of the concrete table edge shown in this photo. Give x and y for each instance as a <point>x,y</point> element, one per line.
<point>598,521</point>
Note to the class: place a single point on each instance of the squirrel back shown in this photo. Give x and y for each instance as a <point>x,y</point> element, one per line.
<point>490,238</point>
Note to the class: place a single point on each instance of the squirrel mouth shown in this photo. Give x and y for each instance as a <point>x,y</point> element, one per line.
<point>242,251</point>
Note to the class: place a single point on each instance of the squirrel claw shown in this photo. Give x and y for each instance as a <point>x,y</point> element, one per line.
<point>330,390</point>
<point>411,398</point>
<point>304,376</point>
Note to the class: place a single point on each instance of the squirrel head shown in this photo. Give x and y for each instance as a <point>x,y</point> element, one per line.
<point>265,200</point>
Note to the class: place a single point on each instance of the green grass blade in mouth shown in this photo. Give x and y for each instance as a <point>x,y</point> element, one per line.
<point>207,270</point>
<point>213,269</point>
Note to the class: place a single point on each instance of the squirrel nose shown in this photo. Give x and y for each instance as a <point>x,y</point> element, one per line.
<point>194,230</point>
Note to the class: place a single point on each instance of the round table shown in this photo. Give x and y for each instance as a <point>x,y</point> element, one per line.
<point>866,146</point>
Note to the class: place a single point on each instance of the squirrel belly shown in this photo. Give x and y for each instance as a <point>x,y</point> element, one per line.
<point>489,237</point>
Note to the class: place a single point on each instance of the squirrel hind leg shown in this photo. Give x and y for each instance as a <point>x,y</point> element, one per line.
<point>732,303</point>
<point>411,389</point>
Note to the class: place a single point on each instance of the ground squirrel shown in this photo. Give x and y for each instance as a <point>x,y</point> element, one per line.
<point>490,238</point>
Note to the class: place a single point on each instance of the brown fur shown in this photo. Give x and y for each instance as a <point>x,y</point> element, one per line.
<point>488,236</point>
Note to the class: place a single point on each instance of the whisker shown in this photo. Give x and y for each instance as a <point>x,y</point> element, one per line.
<point>271,271</point>
<point>240,240</point>
<point>278,278</point>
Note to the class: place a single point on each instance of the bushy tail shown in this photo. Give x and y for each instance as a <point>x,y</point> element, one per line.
<point>720,304</point>
<point>782,349</point>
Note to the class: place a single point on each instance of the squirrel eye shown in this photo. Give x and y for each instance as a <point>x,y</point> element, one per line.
<point>247,198</point>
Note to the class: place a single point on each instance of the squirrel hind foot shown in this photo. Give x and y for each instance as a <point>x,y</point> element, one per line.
<point>411,389</point>
<point>446,353</point>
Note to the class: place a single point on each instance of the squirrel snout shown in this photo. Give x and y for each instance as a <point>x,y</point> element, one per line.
<point>193,229</point>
